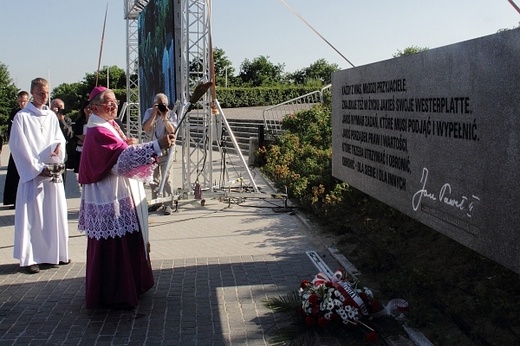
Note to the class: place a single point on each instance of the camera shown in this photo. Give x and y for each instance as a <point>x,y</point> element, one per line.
<point>162,108</point>
<point>62,111</point>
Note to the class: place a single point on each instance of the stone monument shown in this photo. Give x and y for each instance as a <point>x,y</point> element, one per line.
<point>436,135</point>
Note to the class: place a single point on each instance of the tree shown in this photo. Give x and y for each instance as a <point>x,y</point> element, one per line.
<point>72,95</point>
<point>409,51</point>
<point>260,72</point>
<point>116,78</point>
<point>224,71</point>
<point>320,71</point>
<point>8,100</point>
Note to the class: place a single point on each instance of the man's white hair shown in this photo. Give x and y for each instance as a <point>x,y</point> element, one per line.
<point>160,97</point>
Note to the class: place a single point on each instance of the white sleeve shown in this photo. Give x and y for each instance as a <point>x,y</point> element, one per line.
<point>147,115</point>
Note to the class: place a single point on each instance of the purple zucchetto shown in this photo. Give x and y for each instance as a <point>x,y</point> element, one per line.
<point>96,91</point>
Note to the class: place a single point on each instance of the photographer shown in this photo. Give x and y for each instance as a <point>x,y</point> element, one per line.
<point>58,107</point>
<point>158,121</point>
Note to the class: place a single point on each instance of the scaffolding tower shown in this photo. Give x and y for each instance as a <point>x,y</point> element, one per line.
<point>193,64</point>
<point>130,109</point>
<point>192,34</point>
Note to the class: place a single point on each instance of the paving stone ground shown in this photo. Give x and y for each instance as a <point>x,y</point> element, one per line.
<point>213,265</point>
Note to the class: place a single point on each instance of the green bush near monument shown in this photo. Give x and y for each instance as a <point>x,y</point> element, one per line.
<point>456,295</point>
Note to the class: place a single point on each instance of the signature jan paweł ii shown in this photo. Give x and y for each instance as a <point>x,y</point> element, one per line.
<point>444,196</point>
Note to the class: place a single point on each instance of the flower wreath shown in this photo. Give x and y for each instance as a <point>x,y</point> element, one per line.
<point>333,305</point>
<point>327,301</point>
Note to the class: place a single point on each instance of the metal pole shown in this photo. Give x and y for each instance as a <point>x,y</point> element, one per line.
<point>226,68</point>
<point>101,48</point>
<point>514,5</point>
<point>235,144</point>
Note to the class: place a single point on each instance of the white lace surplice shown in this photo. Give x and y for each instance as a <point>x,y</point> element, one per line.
<point>110,207</point>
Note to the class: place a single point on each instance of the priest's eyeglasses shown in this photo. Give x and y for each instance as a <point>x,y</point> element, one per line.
<point>111,103</point>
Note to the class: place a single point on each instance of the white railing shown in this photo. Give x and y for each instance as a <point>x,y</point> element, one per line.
<point>274,115</point>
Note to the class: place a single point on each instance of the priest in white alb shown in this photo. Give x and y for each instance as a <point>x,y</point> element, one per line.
<point>41,226</point>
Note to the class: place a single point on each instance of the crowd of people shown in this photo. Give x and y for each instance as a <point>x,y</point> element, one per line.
<point>111,169</point>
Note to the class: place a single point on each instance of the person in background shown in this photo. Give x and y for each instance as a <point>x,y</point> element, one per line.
<point>58,107</point>
<point>41,231</point>
<point>113,211</point>
<point>80,129</point>
<point>158,121</point>
<point>12,177</point>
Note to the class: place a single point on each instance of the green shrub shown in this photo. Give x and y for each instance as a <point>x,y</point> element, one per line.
<point>301,161</point>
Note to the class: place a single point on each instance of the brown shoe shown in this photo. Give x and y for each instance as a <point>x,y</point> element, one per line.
<point>32,269</point>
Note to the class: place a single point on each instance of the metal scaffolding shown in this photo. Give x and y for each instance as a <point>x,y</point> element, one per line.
<point>196,153</point>
<point>198,124</point>
<point>192,32</point>
<point>131,107</point>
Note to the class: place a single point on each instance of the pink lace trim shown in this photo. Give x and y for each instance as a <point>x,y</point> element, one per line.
<point>104,221</point>
<point>137,162</point>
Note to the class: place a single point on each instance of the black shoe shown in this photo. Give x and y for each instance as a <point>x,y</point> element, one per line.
<point>64,263</point>
<point>153,208</point>
<point>32,269</point>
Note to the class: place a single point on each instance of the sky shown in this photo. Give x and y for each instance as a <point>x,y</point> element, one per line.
<point>61,39</point>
